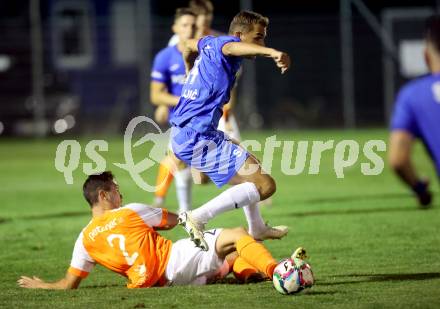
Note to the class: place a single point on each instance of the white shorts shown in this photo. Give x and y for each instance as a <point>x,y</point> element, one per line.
<point>233,130</point>
<point>191,265</point>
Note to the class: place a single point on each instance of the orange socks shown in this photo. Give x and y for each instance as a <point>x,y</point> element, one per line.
<point>256,255</point>
<point>242,269</point>
<point>164,179</point>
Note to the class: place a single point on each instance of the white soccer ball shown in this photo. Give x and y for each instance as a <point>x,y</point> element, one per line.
<point>292,276</point>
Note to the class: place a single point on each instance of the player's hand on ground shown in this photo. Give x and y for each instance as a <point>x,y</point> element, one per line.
<point>282,60</point>
<point>30,283</point>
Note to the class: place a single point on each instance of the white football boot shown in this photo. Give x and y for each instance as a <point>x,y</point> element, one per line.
<point>194,230</point>
<point>275,232</point>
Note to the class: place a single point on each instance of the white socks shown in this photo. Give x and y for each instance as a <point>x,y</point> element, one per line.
<point>183,183</point>
<point>254,219</point>
<point>235,197</point>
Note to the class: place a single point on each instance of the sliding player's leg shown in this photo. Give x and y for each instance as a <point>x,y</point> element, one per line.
<point>252,252</point>
<point>245,272</point>
<point>188,264</point>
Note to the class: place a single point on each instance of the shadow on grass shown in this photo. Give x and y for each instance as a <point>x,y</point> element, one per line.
<point>69,214</point>
<point>105,286</point>
<point>349,211</point>
<point>4,220</point>
<point>317,293</point>
<point>351,198</point>
<point>383,278</point>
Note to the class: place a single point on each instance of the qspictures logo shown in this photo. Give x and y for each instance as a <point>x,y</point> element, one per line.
<point>306,159</point>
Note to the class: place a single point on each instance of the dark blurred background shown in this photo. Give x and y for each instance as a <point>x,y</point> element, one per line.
<point>82,66</point>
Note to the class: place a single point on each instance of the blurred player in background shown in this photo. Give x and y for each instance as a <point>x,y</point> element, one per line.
<point>125,240</point>
<point>167,79</point>
<point>196,139</point>
<point>203,10</point>
<point>417,116</point>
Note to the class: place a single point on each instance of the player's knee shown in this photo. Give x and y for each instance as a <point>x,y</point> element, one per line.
<point>236,233</point>
<point>240,231</point>
<point>266,187</point>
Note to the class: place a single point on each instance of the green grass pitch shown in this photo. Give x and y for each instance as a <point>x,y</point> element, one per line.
<point>370,246</point>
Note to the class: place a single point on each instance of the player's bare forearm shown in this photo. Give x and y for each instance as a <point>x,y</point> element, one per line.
<point>399,157</point>
<point>159,95</point>
<point>68,282</point>
<point>164,99</point>
<point>400,160</point>
<point>241,49</point>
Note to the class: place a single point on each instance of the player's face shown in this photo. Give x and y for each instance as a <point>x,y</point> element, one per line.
<point>256,36</point>
<point>184,27</point>
<point>115,196</point>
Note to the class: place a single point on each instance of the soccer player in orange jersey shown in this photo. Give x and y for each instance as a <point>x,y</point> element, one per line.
<point>125,240</point>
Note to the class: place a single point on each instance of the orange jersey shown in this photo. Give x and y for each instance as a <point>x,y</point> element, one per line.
<point>124,241</point>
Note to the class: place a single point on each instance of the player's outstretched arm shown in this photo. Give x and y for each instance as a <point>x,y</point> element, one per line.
<point>399,158</point>
<point>70,281</point>
<point>241,49</point>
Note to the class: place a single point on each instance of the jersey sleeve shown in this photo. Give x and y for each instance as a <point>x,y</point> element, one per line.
<point>222,40</point>
<point>154,217</point>
<point>203,42</point>
<point>81,263</point>
<point>212,46</point>
<point>403,115</point>
<point>160,68</point>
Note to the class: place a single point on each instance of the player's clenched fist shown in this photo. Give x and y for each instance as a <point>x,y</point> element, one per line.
<point>282,60</point>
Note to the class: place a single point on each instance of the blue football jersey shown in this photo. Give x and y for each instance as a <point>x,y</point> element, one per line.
<point>169,68</point>
<point>417,111</point>
<point>208,85</point>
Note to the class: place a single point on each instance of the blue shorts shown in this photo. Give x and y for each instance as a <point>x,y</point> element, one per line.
<point>211,152</point>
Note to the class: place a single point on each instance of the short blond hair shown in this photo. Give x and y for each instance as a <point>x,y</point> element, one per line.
<point>245,21</point>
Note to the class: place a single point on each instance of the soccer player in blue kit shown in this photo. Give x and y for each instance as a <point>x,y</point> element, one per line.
<point>194,135</point>
<point>167,79</point>
<point>417,116</point>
